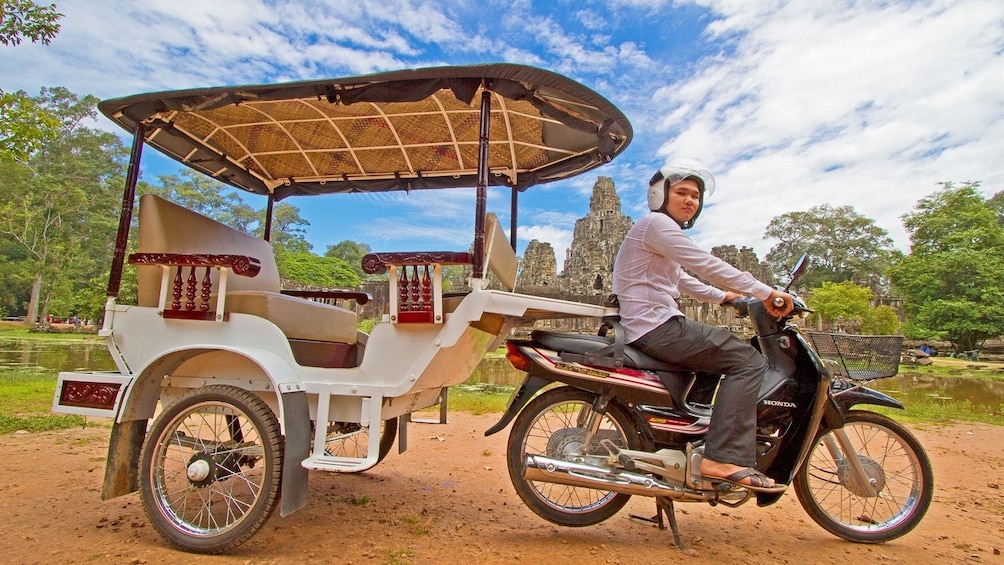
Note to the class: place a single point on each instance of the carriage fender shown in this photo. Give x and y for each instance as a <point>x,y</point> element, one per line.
<point>129,430</point>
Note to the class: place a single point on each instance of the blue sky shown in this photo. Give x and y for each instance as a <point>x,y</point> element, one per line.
<point>792,104</point>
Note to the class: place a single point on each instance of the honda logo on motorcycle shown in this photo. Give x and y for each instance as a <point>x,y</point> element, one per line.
<point>780,403</point>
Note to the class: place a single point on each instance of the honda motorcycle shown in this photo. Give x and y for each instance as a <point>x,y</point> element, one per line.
<point>612,422</point>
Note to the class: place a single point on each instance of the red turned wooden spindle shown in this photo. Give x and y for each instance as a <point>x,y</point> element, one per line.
<point>415,305</point>
<point>190,287</point>
<point>403,290</point>
<point>176,291</point>
<point>207,289</point>
<point>426,291</point>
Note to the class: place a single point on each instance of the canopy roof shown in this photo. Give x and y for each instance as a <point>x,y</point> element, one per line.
<point>400,130</point>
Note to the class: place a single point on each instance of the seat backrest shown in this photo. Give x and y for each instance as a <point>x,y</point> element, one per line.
<point>500,258</point>
<point>165,227</point>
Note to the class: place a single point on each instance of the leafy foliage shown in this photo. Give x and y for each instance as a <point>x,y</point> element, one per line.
<point>843,246</point>
<point>953,279</point>
<point>843,302</point>
<point>24,18</point>
<point>309,269</point>
<point>59,208</point>
<point>352,252</point>
<point>24,125</point>
<point>880,321</point>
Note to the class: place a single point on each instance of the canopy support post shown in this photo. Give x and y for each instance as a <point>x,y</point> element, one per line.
<point>481,204</point>
<point>514,200</point>
<point>125,218</point>
<point>267,235</point>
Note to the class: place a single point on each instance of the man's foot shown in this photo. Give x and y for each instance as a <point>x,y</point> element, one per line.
<point>746,477</point>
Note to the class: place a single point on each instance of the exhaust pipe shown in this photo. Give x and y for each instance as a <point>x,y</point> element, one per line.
<point>548,470</point>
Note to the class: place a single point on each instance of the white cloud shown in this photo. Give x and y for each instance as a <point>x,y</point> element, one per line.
<point>793,104</point>
<point>867,106</point>
<point>559,238</point>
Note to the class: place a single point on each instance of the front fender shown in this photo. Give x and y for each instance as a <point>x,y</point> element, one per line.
<point>863,395</point>
<point>842,401</point>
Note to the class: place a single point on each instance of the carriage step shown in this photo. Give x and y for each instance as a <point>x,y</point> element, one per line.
<point>339,464</point>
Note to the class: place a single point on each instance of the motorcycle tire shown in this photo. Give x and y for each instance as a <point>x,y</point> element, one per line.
<point>210,469</point>
<point>896,465</point>
<point>550,425</point>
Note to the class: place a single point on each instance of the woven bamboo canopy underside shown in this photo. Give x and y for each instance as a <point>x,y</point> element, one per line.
<point>401,130</point>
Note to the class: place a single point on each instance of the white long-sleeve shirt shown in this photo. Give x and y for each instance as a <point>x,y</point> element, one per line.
<point>649,276</point>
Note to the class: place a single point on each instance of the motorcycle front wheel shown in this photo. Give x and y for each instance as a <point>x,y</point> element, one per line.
<point>210,469</point>
<point>896,466</point>
<point>554,425</point>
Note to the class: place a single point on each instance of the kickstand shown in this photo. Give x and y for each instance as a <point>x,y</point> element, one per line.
<point>664,505</point>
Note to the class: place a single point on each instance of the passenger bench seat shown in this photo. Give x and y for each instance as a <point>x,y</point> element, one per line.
<point>165,227</point>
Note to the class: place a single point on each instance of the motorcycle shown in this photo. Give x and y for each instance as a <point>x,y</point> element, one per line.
<point>612,422</point>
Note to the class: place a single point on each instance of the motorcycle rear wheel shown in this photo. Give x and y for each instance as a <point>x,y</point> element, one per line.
<point>896,465</point>
<point>550,425</point>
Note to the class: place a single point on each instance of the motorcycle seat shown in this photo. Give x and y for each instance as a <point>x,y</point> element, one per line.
<point>583,343</point>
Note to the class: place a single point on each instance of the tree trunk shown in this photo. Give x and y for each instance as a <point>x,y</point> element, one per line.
<point>36,290</point>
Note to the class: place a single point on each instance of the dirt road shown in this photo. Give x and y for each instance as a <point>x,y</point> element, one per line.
<point>448,500</point>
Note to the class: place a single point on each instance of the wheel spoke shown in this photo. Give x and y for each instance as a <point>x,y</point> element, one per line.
<point>894,465</point>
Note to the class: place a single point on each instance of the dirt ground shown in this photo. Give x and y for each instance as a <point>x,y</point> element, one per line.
<point>449,500</point>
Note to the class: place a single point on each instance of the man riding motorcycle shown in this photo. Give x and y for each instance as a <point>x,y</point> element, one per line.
<point>649,276</point>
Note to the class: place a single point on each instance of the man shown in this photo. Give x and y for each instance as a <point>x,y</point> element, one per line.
<point>649,277</point>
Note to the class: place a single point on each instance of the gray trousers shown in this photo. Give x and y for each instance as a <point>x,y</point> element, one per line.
<point>732,435</point>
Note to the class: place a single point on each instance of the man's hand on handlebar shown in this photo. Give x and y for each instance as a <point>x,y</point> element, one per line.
<point>779,303</point>
<point>730,297</point>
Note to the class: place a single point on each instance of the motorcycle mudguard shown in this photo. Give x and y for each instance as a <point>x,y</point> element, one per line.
<point>863,395</point>
<point>531,385</point>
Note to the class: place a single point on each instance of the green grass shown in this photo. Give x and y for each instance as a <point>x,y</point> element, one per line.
<point>13,330</point>
<point>25,401</point>
<point>476,399</point>
<point>935,410</point>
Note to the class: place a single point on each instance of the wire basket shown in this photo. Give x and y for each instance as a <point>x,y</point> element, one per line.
<point>860,357</point>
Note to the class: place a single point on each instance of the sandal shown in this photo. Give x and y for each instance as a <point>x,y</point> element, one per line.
<point>758,482</point>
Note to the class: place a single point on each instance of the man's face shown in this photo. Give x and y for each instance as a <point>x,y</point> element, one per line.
<point>684,200</point>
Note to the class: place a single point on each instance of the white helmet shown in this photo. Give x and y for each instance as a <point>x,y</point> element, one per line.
<point>671,174</point>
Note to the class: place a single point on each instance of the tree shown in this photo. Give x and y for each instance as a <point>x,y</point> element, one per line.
<point>953,279</point>
<point>880,321</point>
<point>59,208</point>
<point>352,252</point>
<point>23,124</point>
<point>996,203</point>
<point>24,18</point>
<point>841,303</point>
<point>312,270</point>
<point>843,246</point>
<point>289,230</point>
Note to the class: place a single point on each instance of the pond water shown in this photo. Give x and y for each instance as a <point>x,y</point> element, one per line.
<point>57,355</point>
<point>62,355</point>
